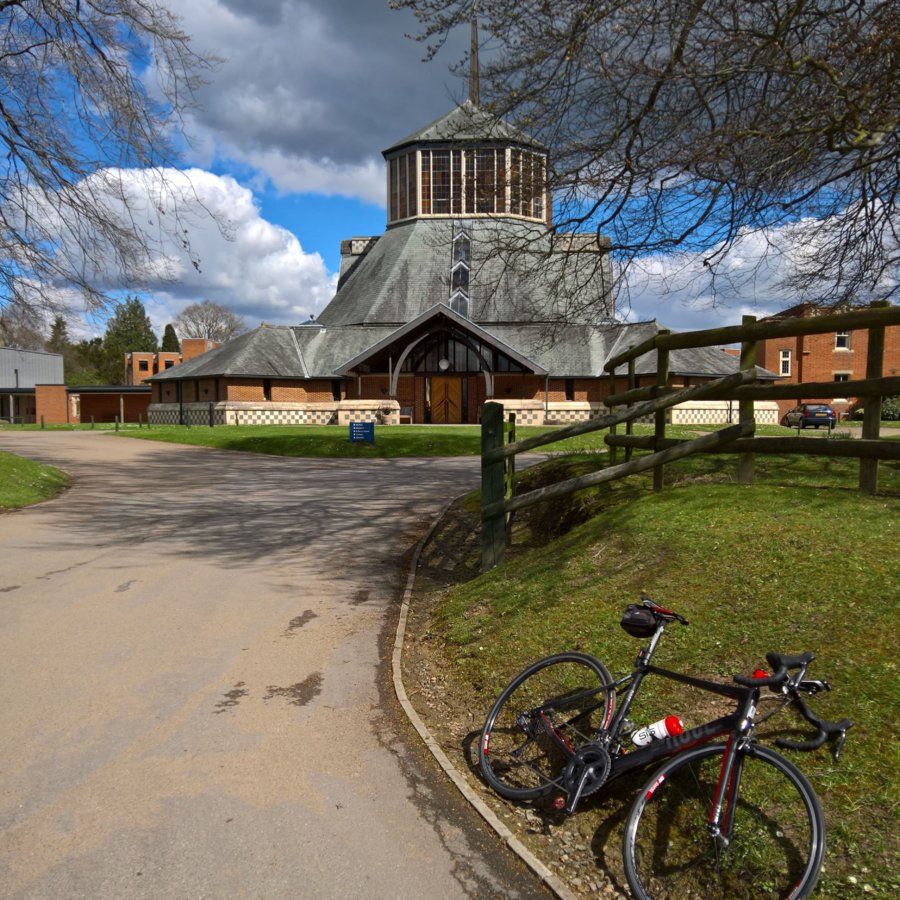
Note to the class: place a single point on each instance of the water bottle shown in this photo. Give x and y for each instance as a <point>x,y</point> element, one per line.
<point>670,726</point>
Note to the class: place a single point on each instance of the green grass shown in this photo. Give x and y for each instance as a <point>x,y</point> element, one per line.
<point>23,481</point>
<point>332,440</point>
<point>797,561</point>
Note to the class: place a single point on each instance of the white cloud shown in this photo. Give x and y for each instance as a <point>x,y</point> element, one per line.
<point>208,241</point>
<point>683,293</point>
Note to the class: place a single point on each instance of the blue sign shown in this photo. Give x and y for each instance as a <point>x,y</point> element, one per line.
<point>362,432</point>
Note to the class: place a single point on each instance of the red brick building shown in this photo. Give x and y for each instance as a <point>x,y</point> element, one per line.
<point>836,357</point>
<point>139,365</point>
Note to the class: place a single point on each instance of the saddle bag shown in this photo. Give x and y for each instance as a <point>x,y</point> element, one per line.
<point>638,621</point>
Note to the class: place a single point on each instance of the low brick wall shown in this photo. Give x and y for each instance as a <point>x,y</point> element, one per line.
<point>229,412</point>
<point>721,412</point>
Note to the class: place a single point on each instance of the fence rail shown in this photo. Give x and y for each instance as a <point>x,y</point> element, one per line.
<point>499,446</point>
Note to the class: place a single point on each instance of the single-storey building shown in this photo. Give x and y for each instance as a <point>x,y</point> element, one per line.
<point>464,298</point>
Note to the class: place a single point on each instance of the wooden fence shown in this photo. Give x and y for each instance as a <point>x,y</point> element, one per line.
<point>499,446</point>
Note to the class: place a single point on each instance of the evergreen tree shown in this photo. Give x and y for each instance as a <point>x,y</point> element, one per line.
<point>58,342</point>
<point>128,330</point>
<point>170,340</point>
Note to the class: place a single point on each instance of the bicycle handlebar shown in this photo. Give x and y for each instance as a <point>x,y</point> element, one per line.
<point>781,665</point>
<point>826,730</point>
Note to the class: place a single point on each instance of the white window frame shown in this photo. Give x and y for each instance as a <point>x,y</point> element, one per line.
<point>785,356</point>
<point>837,337</point>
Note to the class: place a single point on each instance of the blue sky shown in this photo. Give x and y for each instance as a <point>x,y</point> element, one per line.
<point>285,146</point>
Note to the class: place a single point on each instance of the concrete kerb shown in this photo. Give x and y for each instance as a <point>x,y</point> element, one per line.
<point>543,872</point>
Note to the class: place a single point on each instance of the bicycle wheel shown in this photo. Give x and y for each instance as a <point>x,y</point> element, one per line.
<point>776,844</point>
<point>546,713</point>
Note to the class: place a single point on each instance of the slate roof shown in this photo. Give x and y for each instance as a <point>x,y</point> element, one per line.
<point>407,271</point>
<point>307,351</point>
<point>467,123</point>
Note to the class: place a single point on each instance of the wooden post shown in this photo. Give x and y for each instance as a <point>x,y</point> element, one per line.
<point>92,421</point>
<point>121,408</point>
<point>117,423</point>
<point>871,428</point>
<point>211,416</point>
<point>629,425</point>
<point>613,450</point>
<point>510,480</point>
<point>745,407</point>
<point>493,527</point>
<point>42,421</point>
<point>659,420</point>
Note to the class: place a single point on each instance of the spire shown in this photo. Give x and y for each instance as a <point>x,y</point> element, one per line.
<point>474,77</point>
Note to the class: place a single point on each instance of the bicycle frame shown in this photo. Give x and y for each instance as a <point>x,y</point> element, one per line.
<point>729,724</point>
<point>737,725</point>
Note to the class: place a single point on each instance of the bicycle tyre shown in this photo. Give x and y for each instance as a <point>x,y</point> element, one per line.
<point>748,870</point>
<point>576,675</point>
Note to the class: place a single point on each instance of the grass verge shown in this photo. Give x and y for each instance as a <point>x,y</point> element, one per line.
<point>798,561</point>
<point>332,440</point>
<point>23,481</point>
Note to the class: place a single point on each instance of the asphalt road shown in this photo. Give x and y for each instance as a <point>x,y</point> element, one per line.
<point>194,695</point>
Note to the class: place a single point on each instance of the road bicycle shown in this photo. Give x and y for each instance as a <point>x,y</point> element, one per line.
<point>718,819</point>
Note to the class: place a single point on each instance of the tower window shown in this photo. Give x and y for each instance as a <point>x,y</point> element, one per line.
<point>426,182</point>
<point>440,182</point>
<point>459,303</point>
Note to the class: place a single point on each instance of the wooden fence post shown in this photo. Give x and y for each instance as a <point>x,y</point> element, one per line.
<point>211,416</point>
<point>493,528</point>
<point>871,428</point>
<point>510,479</point>
<point>613,450</point>
<point>745,407</point>
<point>629,425</point>
<point>659,419</point>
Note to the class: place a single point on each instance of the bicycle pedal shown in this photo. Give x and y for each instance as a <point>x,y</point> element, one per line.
<point>558,803</point>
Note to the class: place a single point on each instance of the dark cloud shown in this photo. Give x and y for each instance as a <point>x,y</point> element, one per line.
<point>314,80</point>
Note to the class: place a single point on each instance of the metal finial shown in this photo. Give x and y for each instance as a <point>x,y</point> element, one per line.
<point>474,77</point>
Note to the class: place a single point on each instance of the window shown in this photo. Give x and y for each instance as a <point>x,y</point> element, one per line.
<point>170,363</point>
<point>785,367</point>
<point>426,182</point>
<point>570,389</point>
<point>267,389</point>
<point>456,182</point>
<point>459,303</point>
<point>143,365</point>
<point>842,340</point>
<point>841,376</point>
<point>440,182</point>
<point>335,389</point>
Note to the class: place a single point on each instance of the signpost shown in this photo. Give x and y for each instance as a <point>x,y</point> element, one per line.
<point>362,433</point>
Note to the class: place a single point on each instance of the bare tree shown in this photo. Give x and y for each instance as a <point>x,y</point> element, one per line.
<point>687,125</point>
<point>91,89</point>
<point>209,320</point>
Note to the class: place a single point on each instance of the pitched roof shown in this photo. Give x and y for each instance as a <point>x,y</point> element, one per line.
<point>461,322</point>
<point>574,351</point>
<point>266,352</point>
<point>470,124</point>
<point>407,271</point>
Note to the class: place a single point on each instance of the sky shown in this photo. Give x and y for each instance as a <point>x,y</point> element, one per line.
<point>284,148</point>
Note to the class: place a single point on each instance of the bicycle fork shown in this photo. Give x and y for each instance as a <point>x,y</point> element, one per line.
<point>722,808</point>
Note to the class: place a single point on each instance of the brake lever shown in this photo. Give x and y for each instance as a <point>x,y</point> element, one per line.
<point>839,745</point>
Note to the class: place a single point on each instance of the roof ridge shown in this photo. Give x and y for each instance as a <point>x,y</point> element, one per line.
<point>296,344</point>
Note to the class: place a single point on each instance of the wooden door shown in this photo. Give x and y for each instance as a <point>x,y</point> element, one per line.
<point>446,400</point>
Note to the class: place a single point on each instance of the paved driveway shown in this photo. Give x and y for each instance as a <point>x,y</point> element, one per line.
<point>194,698</point>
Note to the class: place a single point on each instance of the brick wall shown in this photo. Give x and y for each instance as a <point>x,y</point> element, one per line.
<point>193,347</point>
<point>52,402</point>
<point>815,357</point>
<point>105,407</point>
<point>246,390</point>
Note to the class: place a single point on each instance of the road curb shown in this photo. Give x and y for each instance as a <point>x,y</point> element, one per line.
<point>549,878</point>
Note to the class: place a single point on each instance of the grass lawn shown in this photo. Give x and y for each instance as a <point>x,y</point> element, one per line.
<point>332,440</point>
<point>23,481</point>
<point>798,561</point>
